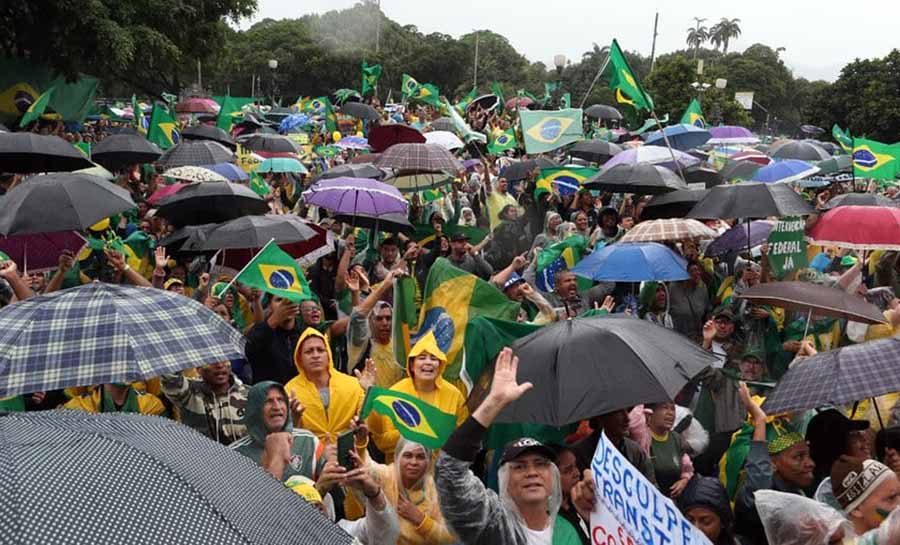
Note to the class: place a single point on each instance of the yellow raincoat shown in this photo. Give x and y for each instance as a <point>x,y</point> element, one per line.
<point>346,396</point>
<point>445,397</point>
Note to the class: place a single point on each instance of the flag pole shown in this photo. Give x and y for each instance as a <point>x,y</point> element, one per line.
<point>261,250</point>
<point>666,140</point>
<point>597,77</point>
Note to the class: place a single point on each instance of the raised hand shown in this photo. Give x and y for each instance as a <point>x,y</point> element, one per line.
<point>367,377</point>
<point>161,258</point>
<point>504,388</point>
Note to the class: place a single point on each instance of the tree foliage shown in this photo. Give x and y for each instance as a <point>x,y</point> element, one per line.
<point>150,45</point>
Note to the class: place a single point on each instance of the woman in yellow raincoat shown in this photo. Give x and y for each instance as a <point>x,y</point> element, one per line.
<point>425,366</point>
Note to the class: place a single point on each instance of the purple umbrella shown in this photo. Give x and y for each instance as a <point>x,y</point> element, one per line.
<point>352,196</point>
<point>40,252</point>
<point>230,171</point>
<point>470,164</point>
<point>737,238</point>
<point>731,134</point>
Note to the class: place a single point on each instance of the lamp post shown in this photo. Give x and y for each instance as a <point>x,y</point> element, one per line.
<point>700,88</point>
<point>559,61</point>
<point>273,66</point>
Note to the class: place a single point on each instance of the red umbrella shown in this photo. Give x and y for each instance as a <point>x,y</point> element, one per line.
<point>164,191</point>
<point>384,136</point>
<point>272,154</point>
<point>197,106</point>
<point>40,252</point>
<point>516,103</point>
<point>858,228</point>
<point>753,156</point>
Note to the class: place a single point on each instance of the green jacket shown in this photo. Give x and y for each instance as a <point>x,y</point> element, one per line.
<point>306,453</point>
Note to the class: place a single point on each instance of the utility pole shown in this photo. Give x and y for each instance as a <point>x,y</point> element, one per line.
<point>653,47</point>
<point>377,4</point>
<point>475,78</point>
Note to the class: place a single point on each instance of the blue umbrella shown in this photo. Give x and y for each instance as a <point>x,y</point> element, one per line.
<point>230,171</point>
<point>789,170</point>
<point>633,262</point>
<point>292,122</point>
<point>681,137</point>
<point>103,333</point>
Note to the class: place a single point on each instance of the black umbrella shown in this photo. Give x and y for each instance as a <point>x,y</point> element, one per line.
<point>699,174</point>
<point>189,235</point>
<point>592,366</point>
<point>209,132</point>
<point>60,202</point>
<point>269,142</point>
<point>739,170</point>
<point>674,204</point>
<point>521,170</point>
<point>485,102</point>
<point>641,179</point>
<point>351,170</point>
<point>360,111</point>
<point>601,111</point>
<point>751,200</point>
<point>210,202</point>
<point>196,153</point>
<point>255,232</point>
<point>121,150</point>
<point>134,478</point>
<point>26,152</point>
<point>276,115</point>
<point>443,124</point>
<point>802,150</point>
<point>597,151</point>
<point>390,223</point>
<point>860,199</point>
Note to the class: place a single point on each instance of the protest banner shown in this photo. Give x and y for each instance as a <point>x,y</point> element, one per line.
<point>630,510</point>
<point>787,246</point>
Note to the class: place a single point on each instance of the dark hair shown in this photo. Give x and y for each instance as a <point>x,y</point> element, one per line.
<point>885,439</point>
<point>391,241</point>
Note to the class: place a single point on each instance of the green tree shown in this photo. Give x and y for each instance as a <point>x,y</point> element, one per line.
<point>697,36</point>
<point>150,45</point>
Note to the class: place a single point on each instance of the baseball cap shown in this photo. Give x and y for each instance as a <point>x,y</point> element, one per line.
<point>514,278</point>
<point>724,312</point>
<point>523,445</point>
<point>171,282</point>
<point>831,426</point>
<point>459,237</point>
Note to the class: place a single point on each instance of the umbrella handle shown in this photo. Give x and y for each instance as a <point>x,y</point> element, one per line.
<point>806,330</point>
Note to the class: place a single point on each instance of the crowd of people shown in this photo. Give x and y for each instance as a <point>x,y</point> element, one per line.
<point>308,365</point>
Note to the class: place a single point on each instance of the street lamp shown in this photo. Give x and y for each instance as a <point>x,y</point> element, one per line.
<point>700,88</point>
<point>273,66</point>
<point>559,61</point>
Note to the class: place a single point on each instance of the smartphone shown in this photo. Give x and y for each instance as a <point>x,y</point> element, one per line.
<point>345,443</point>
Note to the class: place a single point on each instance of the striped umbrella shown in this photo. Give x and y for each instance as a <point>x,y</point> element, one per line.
<point>663,230</point>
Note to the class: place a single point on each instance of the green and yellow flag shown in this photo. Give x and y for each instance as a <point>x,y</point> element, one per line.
<point>409,86</point>
<point>425,92</point>
<point>497,89</point>
<point>466,100</point>
<point>875,160</point>
<point>624,82</point>
<point>162,130</point>
<point>322,106</point>
<point>370,76</point>
<point>567,179</point>
<point>37,109</point>
<point>22,83</point>
<point>462,128</point>
<point>548,130</point>
<point>415,420</point>
<point>505,141</point>
<point>274,271</point>
<point>843,138</point>
<point>694,115</point>
<point>450,299</point>
<point>229,108</point>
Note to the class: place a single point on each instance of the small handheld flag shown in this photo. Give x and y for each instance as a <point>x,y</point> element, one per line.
<point>623,80</point>
<point>414,419</point>
<point>274,271</point>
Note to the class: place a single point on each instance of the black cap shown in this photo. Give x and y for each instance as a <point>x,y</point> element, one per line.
<point>522,445</point>
<point>831,424</point>
<point>459,237</point>
<point>725,312</point>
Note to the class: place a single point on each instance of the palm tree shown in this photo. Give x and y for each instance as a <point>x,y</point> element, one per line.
<point>715,36</point>
<point>726,29</point>
<point>696,37</point>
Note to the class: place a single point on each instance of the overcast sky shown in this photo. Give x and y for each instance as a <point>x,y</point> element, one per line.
<point>819,36</point>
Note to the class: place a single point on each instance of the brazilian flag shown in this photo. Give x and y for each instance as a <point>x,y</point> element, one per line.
<point>415,420</point>
<point>567,179</point>
<point>505,141</point>
<point>450,299</point>
<point>875,160</point>
<point>22,83</point>
<point>560,256</point>
<point>274,271</point>
<point>370,76</point>
<point>694,115</point>
<point>162,128</point>
<point>37,109</point>
<point>843,138</point>
<point>548,130</point>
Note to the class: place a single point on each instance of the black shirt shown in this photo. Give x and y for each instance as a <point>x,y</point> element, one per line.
<point>270,352</point>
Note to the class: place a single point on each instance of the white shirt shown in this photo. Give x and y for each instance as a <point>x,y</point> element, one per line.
<point>539,537</point>
<point>718,350</point>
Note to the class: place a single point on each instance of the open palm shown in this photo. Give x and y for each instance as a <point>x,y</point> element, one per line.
<point>504,387</point>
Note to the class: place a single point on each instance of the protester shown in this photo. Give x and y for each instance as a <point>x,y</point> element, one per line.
<point>705,504</point>
<point>213,405</point>
<point>117,398</point>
